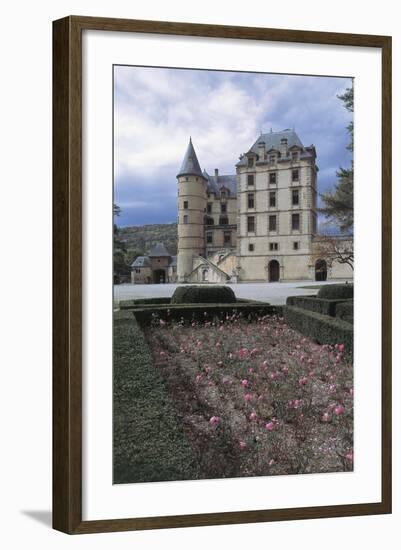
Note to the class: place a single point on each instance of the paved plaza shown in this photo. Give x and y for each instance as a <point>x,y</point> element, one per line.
<point>274,293</point>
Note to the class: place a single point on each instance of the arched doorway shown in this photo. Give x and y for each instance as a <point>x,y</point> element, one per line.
<point>205,275</point>
<point>321,270</point>
<point>159,276</point>
<point>274,271</point>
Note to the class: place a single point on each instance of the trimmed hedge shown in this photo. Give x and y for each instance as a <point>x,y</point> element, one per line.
<point>196,312</point>
<point>129,304</point>
<point>203,295</point>
<point>345,311</point>
<point>313,303</point>
<point>336,292</point>
<point>149,443</point>
<point>323,329</point>
<point>158,302</point>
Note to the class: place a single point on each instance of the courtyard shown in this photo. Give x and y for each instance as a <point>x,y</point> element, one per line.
<point>273,293</point>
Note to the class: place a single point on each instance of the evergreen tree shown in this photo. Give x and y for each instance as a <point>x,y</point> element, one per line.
<point>339,204</point>
<point>121,269</point>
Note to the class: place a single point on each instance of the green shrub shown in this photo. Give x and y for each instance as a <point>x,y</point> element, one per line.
<point>203,295</point>
<point>129,304</point>
<point>322,328</point>
<point>201,312</point>
<point>336,292</point>
<point>313,303</point>
<point>345,311</point>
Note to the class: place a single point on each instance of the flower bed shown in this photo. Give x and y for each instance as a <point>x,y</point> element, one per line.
<point>256,397</point>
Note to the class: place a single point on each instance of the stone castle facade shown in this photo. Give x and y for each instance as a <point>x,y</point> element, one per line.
<point>259,224</point>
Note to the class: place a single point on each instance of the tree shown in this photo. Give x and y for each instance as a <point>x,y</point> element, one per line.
<point>332,249</point>
<point>121,269</point>
<point>339,204</point>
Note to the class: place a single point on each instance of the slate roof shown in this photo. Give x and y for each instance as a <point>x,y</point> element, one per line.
<point>272,140</point>
<point>228,181</point>
<point>158,251</point>
<point>141,261</point>
<point>190,165</point>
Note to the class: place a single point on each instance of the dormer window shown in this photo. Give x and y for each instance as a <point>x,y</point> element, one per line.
<point>272,159</point>
<point>251,161</point>
<point>295,156</point>
<point>223,195</point>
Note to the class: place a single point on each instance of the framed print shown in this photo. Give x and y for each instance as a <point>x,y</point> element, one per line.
<point>222,275</point>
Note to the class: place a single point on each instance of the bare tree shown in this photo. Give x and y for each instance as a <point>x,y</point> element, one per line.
<point>334,249</point>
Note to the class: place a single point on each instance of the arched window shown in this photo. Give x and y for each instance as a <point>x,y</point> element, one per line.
<point>321,270</point>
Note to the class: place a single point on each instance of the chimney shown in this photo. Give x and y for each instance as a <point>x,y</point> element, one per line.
<point>284,147</point>
<point>261,150</point>
<point>216,173</point>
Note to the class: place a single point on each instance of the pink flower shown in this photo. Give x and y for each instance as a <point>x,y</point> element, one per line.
<point>285,370</point>
<point>254,352</point>
<point>242,445</point>
<point>199,343</point>
<point>221,328</point>
<point>339,410</point>
<point>244,383</point>
<point>198,378</point>
<point>162,323</point>
<point>341,347</point>
<point>264,364</point>
<point>271,462</point>
<point>274,375</point>
<point>253,416</point>
<point>325,417</point>
<point>247,397</point>
<point>269,426</point>
<point>162,354</point>
<point>251,370</point>
<point>303,381</point>
<point>243,352</point>
<point>218,345</point>
<point>214,420</point>
<point>350,456</point>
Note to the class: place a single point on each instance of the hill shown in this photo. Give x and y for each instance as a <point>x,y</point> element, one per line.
<point>138,240</point>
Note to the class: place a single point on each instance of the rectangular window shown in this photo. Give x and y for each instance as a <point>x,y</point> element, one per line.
<point>251,247</point>
<point>223,220</point>
<point>295,245</point>
<point>223,207</point>
<point>251,179</point>
<point>294,157</point>
<point>272,223</point>
<point>185,204</point>
<point>295,222</point>
<point>227,237</point>
<point>209,207</point>
<point>295,197</point>
<point>251,224</point>
<point>209,238</point>
<point>185,218</point>
<point>251,200</point>
<point>272,159</point>
<point>250,161</point>
<point>272,199</point>
<point>272,178</point>
<point>273,246</point>
<point>295,175</point>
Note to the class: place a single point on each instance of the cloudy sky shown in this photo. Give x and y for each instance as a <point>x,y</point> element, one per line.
<point>156,110</point>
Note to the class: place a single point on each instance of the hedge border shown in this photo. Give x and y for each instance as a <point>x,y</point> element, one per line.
<point>322,328</point>
<point>345,311</point>
<point>192,312</point>
<point>151,302</point>
<point>314,303</point>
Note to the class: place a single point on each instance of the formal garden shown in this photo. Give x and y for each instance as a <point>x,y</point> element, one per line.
<point>206,386</point>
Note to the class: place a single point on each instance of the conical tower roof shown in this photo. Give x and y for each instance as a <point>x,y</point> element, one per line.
<point>190,165</point>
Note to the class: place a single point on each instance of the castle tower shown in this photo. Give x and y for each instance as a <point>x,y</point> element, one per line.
<point>191,213</point>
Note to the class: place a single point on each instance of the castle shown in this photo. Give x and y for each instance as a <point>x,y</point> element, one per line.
<point>259,224</point>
